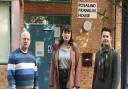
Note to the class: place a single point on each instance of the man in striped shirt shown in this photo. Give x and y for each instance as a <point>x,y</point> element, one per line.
<point>22,68</point>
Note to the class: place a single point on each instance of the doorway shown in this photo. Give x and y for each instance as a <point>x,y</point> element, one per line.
<point>41,47</point>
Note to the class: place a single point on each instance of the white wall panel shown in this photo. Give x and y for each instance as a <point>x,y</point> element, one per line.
<point>4,32</point>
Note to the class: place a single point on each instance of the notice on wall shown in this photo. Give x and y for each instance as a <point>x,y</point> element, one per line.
<point>57,32</point>
<point>87,10</point>
<point>39,50</point>
<point>50,49</point>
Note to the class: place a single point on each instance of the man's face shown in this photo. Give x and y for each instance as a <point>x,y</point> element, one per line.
<point>106,38</point>
<point>25,41</point>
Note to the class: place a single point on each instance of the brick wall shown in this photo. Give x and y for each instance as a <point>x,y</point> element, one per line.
<point>50,8</point>
<point>3,77</point>
<point>90,41</point>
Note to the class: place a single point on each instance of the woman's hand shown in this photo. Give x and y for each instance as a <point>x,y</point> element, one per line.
<point>51,87</point>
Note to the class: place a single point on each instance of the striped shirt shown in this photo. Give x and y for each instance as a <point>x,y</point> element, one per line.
<point>22,70</point>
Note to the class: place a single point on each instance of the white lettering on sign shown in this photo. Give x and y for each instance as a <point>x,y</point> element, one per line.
<point>87,10</point>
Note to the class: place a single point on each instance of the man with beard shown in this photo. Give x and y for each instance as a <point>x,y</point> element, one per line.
<point>106,71</point>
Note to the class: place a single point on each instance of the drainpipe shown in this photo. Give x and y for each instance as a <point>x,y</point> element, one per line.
<point>10,16</point>
<point>115,28</point>
<point>124,45</point>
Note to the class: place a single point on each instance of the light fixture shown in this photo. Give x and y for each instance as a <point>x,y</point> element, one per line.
<point>87,25</point>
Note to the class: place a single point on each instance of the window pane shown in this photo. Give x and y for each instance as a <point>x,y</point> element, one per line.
<point>62,19</point>
<point>48,19</point>
<point>4,32</point>
<point>50,0</point>
<point>38,19</point>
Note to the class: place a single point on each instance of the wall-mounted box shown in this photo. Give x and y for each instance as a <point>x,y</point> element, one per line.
<point>87,59</point>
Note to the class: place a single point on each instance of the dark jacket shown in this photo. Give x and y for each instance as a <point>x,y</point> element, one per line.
<point>111,76</point>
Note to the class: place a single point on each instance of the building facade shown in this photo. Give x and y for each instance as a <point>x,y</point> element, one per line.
<point>87,17</point>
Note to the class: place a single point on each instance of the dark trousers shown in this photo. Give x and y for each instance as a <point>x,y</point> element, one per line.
<point>63,78</point>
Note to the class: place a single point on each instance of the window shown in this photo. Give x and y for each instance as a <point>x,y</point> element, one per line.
<point>48,19</point>
<point>49,0</point>
<point>4,32</point>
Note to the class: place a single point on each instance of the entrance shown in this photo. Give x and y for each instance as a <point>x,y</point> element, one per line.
<point>41,41</point>
<point>44,30</point>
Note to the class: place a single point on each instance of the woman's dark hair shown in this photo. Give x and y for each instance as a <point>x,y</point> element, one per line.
<point>66,28</point>
<point>106,29</point>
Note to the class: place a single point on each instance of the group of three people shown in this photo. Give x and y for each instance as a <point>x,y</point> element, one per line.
<point>65,70</point>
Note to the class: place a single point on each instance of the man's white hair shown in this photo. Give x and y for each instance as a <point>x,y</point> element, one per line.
<point>24,32</point>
